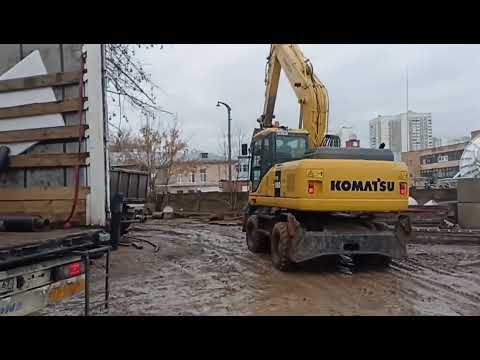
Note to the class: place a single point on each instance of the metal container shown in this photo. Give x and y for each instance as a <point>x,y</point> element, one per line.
<point>132,184</point>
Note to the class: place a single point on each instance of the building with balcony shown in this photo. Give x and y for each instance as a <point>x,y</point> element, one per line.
<point>197,171</point>
<point>435,163</point>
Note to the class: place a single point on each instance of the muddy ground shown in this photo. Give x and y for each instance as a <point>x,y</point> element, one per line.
<point>205,269</point>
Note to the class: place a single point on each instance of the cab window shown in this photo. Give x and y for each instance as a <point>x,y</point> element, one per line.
<point>262,159</point>
<point>289,147</point>
<point>256,164</point>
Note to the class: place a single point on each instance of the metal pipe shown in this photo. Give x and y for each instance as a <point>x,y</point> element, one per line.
<point>4,157</point>
<point>86,260</point>
<point>107,279</point>
<point>116,210</point>
<point>23,223</point>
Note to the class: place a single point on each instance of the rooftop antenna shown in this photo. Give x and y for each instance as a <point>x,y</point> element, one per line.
<point>408,124</point>
<point>407,90</point>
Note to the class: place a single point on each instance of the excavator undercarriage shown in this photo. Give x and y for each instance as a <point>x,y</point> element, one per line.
<point>293,238</point>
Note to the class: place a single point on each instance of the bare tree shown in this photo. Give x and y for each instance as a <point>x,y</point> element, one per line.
<point>172,147</point>
<point>129,84</point>
<point>126,76</point>
<point>238,138</point>
<point>155,149</point>
<point>121,140</point>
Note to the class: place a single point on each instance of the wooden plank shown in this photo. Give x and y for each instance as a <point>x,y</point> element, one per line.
<point>43,134</point>
<point>53,107</point>
<point>48,160</point>
<point>42,193</point>
<point>39,81</point>
<point>53,210</point>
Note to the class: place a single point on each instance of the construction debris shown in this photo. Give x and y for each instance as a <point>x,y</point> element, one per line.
<point>216,217</point>
<point>168,212</point>
<point>136,246</point>
<point>412,201</point>
<point>155,247</point>
<point>157,215</point>
<point>447,224</point>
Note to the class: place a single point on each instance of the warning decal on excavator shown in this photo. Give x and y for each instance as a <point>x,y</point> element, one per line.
<point>315,173</point>
<point>278,183</point>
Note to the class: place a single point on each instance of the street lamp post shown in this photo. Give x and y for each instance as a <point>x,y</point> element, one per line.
<point>229,109</point>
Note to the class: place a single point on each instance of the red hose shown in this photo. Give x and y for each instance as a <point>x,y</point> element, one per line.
<point>81,135</point>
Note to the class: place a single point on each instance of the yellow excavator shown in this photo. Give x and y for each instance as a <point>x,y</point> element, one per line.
<point>309,197</point>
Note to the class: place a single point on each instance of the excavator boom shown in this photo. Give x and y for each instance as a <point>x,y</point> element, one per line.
<point>311,93</point>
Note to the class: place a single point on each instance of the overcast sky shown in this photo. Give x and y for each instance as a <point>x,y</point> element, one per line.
<point>362,81</point>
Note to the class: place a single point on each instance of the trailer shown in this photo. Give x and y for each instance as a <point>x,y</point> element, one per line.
<point>54,175</point>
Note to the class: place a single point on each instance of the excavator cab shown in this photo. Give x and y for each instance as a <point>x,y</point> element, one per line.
<point>274,146</point>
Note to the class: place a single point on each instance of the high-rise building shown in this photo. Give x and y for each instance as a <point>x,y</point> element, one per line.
<point>419,130</point>
<point>380,131</point>
<point>402,132</point>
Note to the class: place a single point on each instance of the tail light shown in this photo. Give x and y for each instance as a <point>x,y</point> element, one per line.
<point>403,188</point>
<point>74,269</point>
<point>69,271</point>
<point>311,188</point>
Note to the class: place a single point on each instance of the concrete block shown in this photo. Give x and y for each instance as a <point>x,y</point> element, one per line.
<point>468,190</point>
<point>469,215</point>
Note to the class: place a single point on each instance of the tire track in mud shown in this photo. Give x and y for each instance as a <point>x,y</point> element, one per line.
<point>206,269</point>
<point>455,291</point>
<point>218,263</point>
<point>327,291</point>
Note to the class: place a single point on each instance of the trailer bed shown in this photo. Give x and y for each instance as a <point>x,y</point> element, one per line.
<point>22,247</point>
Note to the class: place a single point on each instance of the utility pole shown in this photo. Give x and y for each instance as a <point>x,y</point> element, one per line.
<point>229,109</point>
<point>406,114</point>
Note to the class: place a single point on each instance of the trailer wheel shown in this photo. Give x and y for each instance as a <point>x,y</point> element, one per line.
<point>256,241</point>
<point>279,247</point>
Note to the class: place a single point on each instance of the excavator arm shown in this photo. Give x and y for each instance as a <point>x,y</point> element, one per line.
<point>311,93</point>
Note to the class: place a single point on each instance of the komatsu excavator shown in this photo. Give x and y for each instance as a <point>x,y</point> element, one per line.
<point>309,197</point>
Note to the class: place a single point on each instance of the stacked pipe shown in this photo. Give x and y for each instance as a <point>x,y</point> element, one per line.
<point>22,223</point>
